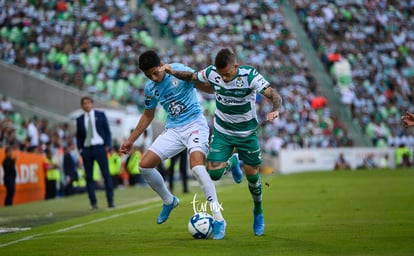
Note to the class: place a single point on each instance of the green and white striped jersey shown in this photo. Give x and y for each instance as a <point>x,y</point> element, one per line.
<point>236,100</point>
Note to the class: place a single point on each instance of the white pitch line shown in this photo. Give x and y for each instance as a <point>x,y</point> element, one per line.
<point>95,221</point>
<point>20,240</point>
<point>104,219</point>
<point>82,224</point>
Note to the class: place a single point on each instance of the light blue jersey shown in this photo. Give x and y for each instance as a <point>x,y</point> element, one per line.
<point>177,97</point>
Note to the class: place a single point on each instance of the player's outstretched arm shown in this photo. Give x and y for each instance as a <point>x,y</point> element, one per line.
<point>142,124</point>
<point>276,99</point>
<point>188,76</point>
<point>408,119</point>
<point>182,75</point>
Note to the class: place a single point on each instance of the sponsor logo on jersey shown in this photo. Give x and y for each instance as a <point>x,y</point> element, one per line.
<point>176,108</point>
<point>239,92</point>
<point>229,100</point>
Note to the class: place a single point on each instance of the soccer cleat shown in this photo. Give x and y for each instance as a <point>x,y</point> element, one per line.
<point>258,224</point>
<point>166,210</point>
<point>219,229</point>
<point>236,172</point>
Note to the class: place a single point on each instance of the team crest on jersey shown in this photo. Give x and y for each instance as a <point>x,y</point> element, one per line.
<point>239,82</point>
<point>175,82</point>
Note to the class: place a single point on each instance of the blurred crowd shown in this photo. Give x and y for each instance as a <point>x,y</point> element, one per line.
<point>260,37</point>
<point>375,39</point>
<point>93,46</point>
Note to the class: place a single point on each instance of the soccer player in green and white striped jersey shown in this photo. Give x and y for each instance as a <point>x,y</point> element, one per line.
<point>235,121</point>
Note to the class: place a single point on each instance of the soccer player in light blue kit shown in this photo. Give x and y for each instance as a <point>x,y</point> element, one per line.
<point>185,128</point>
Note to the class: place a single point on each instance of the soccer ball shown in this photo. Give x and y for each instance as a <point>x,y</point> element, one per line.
<point>200,225</point>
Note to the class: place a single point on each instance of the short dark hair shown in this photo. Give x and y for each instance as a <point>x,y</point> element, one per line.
<point>225,57</point>
<point>86,98</point>
<point>149,59</point>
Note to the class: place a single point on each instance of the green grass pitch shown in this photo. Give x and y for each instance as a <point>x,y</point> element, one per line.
<point>315,213</point>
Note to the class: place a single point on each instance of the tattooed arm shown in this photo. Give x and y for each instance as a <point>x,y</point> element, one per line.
<point>276,100</point>
<point>188,76</point>
<point>182,75</point>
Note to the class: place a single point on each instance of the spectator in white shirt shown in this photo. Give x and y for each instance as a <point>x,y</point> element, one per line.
<point>6,105</point>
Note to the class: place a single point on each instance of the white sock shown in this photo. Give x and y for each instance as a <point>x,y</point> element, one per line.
<point>153,177</point>
<point>209,190</point>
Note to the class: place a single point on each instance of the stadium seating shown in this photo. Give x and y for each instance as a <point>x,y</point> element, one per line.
<point>100,56</point>
<point>376,39</point>
<point>259,36</point>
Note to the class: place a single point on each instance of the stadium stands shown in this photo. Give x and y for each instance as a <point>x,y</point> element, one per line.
<point>376,39</point>
<point>94,46</point>
<point>257,32</point>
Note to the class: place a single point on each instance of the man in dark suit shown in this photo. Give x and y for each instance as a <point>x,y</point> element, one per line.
<point>10,173</point>
<point>93,139</point>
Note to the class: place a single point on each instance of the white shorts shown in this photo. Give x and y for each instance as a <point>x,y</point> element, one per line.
<point>192,136</point>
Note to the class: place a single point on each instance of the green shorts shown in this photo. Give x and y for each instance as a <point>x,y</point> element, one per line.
<point>222,146</point>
